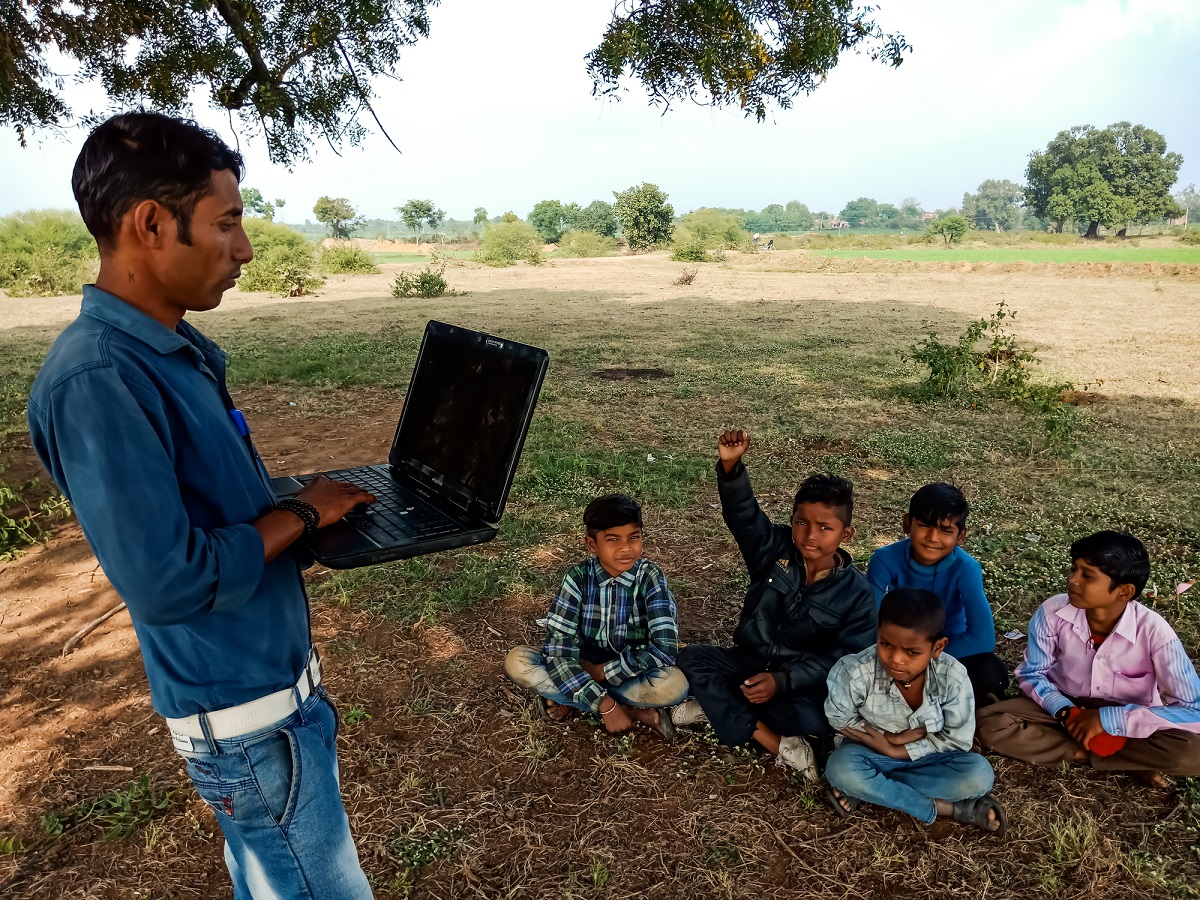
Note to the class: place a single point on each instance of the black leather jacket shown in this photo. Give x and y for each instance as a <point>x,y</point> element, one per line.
<point>800,630</point>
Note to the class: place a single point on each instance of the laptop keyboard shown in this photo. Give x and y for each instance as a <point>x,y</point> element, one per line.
<point>396,514</point>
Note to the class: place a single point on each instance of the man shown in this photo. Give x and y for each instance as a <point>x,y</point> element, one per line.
<point>132,419</point>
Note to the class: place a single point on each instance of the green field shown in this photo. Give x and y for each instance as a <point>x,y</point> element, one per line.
<point>1100,253</point>
<point>392,257</point>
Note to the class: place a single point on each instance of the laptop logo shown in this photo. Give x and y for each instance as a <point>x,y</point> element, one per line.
<point>494,343</point>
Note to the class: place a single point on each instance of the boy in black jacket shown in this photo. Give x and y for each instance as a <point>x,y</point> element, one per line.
<point>806,608</point>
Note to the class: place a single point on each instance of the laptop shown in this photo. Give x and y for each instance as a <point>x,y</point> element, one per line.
<point>456,448</point>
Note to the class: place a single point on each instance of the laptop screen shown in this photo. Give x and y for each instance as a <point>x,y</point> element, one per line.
<point>466,413</point>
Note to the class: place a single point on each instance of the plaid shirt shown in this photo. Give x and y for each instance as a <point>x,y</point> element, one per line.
<point>633,615</point>
<point>860,690</point>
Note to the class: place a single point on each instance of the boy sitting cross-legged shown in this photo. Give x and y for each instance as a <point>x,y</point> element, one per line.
<point>932,558</point>
<point>807,606</point>
<point>1107,681</point>
<point>905,714</point>
<point>612,632</point>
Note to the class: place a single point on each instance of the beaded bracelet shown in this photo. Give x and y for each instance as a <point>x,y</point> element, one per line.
<point>306,511</point>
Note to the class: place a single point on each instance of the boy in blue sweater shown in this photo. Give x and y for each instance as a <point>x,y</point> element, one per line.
<point>931,558</point>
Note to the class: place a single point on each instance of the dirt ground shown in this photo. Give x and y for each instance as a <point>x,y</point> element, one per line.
<point>450,748</point>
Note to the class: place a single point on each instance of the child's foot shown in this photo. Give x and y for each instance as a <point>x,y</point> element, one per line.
<point>1151,779</point>
<point>842,804</point>
<point>796,753</point>
<point>555,713</point>
<point>983,812</point>
<point>689,712</point>
<point>657,720</point>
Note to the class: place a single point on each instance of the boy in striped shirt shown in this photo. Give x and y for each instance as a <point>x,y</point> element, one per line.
<point>612,632</point>
<point>1107,681</point>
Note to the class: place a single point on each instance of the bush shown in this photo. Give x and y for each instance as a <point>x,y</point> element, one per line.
<point>343,258</point>
<point>509,242</point>
<point>691,251</point>
<point>578,243</point>
<point>1190,236</point>
<point>45,252</point>
<point>713,230</point>
<point>426,283</point>
<point>283,260</point>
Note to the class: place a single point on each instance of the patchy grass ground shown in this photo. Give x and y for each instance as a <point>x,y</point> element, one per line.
<point>454,789</point>
<point>1086,253</point>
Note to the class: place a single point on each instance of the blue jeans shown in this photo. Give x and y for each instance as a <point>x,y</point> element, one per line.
<point>276,796</point>
<point>909,785</point>
<point>526,666</point>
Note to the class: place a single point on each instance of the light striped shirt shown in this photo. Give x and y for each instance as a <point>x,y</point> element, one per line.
<point>1141,666</point>
<point>632,615</point>
<point>860,690</point>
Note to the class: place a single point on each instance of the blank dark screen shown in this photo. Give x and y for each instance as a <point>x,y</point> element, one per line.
<point>464,413</point>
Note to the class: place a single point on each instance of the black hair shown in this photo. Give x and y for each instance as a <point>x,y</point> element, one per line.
<point>1118,554</point>
<point>832,490</point>
<point>147,156</point>
<point>611,511</point>
<point>939,502</point>
<point>920,610</point>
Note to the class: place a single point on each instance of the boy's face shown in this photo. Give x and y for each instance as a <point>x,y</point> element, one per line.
<point>1089,588</point>
<point>817,531</point>
<point>905,653</point>
<point>930,544</point>
<point>617,548</point>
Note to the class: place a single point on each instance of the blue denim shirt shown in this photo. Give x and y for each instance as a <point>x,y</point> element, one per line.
<point>131,421</point>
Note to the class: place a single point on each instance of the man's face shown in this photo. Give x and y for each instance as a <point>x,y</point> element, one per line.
<point>932,543</point>
<point>817,531</point>
<point>195,276</point>
<point>617,548</point>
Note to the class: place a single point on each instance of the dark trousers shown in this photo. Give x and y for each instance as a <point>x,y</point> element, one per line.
<point>988,674</point>
<point>716,674</point>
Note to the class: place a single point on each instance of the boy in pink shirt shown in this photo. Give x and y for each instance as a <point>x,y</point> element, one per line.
<point>1107,681</point>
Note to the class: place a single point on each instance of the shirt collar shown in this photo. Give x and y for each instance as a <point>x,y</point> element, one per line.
<point>625,578</point>
<point>1126,626</point>
<point>114,311</point>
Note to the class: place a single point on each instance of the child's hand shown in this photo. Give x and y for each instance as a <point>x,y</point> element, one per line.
<point>759,688</point>
<point>731,445</point>
<point>907,737</point>
<point>594,669</point>
<point>874,739</point>
<point>615,720</point>
<point>1085,725</point>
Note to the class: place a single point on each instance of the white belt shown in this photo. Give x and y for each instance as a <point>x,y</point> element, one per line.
<point>245,718</point>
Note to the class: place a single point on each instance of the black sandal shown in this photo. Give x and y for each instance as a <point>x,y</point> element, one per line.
<point>975,812</point>
<point>541,705</point>
<point>836,802</point>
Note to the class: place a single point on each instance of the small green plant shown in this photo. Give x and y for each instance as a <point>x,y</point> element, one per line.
<point>19,523</point>
<point>411,853</point>
<point>117,813</point>
<point>343,258</point>
<point>355,715</point>
<point>426,283</point>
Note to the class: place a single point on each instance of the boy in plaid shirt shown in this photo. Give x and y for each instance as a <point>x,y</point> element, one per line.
<point>612,632</point>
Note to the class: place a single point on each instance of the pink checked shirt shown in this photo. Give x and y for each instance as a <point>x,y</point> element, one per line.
<point>1141,666</point>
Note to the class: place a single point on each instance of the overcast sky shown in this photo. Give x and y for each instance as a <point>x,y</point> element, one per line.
<point>495,110</point>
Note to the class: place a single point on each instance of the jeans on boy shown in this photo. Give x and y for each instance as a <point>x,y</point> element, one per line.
<point>275,794</point>
<point>909,785</point>
<point>526,666</point>
<point>716,674</point>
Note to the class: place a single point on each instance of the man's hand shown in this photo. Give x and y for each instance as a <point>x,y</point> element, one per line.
<point>333,499</point>
<point>731,445</point>
<point>615,719</point>
<point>594,669</point>
<point>1084,725</point>
<point>759,688</point>
<point>874,739</point>
<point>907,737</point>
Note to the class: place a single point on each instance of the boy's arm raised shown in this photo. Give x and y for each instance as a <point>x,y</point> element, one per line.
<point>757,538</point>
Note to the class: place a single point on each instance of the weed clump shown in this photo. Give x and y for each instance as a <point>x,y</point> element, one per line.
<point>687,275</point>
<point>117,813</point>
<point>343,258</point>
<point>283,261</point>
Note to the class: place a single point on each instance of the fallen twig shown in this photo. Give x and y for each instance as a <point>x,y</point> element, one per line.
<point>90,627</point>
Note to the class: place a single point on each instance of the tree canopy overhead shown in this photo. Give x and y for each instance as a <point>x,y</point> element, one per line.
<point>296,71</point>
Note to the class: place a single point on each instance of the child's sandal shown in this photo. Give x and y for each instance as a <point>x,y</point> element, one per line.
<point>840,804</point>
<point>975,812</point>
<point>542,705</point>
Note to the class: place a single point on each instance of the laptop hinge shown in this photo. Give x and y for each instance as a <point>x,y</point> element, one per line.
<point>425,487</point>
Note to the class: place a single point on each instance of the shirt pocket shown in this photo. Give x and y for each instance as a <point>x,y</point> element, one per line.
<point>1133,688</point>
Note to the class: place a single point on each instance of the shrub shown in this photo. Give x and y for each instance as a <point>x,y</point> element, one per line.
<point>691,251</point>
<point>283,260</point>
<point>509,242</point>
<point>1190,236</point>
<point>426,283</point>
<point>45,252</point>
<point>713,230</point>
<point>578,243</point>
<point>951,229</point>
<point>687,275</point>
<point>343,258</point>
<point>645,216</point>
